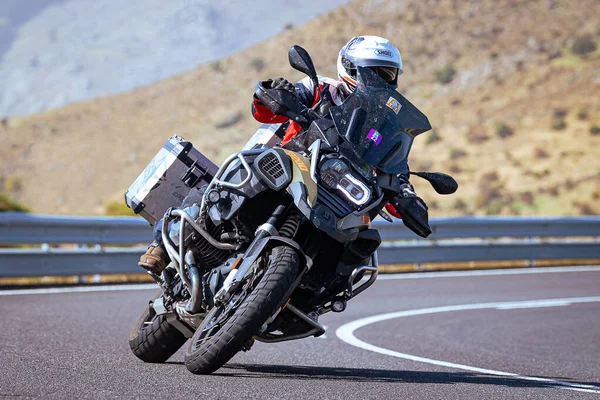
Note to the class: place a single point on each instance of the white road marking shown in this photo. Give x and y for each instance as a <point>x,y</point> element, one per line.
<point>81,289</point>
<point>346,334</point>
<point>534,304</point>
<point>488,272</point>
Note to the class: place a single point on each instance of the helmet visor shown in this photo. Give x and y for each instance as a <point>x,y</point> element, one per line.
<point>389,74</point>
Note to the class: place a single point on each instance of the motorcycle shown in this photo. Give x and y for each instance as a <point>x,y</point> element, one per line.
<point>277,236</point>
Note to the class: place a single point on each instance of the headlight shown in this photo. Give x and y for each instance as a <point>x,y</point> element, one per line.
<point>337,175</point>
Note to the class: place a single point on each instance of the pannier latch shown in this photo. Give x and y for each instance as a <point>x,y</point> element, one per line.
<point>193,175</point>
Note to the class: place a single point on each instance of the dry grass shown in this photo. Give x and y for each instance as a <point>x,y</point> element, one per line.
<point>513,63</point>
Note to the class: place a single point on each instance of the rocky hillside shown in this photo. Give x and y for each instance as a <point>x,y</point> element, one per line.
<point>511,88</point>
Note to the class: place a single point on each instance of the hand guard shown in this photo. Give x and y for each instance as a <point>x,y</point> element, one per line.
<point>413,210</point>
<point>279,96</point>
<point>392,211</point>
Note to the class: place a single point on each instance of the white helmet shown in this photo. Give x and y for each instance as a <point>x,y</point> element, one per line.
<point>368,51</point>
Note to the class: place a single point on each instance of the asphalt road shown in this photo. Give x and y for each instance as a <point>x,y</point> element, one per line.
<point>442,340</point>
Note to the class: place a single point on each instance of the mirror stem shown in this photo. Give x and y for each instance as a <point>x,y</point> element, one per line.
<point>318,87</point>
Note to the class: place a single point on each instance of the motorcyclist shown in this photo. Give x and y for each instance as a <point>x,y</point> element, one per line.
<point>374,52</point>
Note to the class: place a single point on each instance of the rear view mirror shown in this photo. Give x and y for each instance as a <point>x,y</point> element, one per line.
<point>300,60</point>
<point>441,183</point>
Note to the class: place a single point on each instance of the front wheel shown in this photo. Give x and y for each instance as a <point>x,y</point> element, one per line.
<point>227,328</point>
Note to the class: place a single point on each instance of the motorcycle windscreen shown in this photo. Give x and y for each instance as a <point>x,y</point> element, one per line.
<point>379,123</point>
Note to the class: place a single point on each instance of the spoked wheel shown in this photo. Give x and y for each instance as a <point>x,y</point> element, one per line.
<point>153,339</point>
<point>228,327</point>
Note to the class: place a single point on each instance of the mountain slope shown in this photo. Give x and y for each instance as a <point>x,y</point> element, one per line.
<point>515,77</point>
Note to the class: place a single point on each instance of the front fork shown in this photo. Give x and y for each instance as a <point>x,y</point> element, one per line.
<point>266,237</point>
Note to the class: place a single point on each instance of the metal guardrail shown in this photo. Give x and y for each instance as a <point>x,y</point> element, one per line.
<point>453,239</point>
<point>21,228</point>
<point>495,227</point>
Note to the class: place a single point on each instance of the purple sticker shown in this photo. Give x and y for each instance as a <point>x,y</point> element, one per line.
<point>375,136</point>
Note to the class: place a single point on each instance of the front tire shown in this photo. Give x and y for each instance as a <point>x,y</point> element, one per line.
<point>153,339</point>
<point>209,350</point>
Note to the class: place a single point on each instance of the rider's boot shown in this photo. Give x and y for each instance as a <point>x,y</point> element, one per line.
<point>155,259</point>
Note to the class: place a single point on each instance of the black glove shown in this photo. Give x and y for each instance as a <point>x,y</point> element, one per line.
<point>284,84</point>
<point>407,190</point>
<point>269,84</point>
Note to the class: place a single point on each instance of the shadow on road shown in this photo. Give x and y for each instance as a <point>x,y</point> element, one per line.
<point>382,375</point>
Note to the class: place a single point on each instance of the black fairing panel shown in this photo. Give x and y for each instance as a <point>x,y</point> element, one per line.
<point>365,244</point>
<point>379,123</point>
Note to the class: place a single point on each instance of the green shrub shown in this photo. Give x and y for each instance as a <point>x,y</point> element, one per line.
<point>494,208</point>
<point>540,152</point>
<point>216,66</point>
<point>419,51</point>
<point>583,45</point>
<point>582,114</point>
<point>460,205</point>
<point>595,130</point>
<point>457,153</point>
<point>491,193</point>
<point>527,198</point>
<point>117,207</point>
<point>433,137</point>
<point>258,64</point>
<point>12,184</point>
<point>445,74</point>
<point>455,169</point>
<point>584,208</point>
<point>230,121</point>
<point>9,204</point>
<point>498,79</point>
<point>503,130</point>
<point>559,124</point>
<point>560,113</point>
<point>474,136</point>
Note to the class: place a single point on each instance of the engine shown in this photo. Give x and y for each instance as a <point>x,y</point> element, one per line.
<point>209,255</point>
<point>206,254</point>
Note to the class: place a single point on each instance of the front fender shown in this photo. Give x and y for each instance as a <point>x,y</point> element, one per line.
<point>258,247</point>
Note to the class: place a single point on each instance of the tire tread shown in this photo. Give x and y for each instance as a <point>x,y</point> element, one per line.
<point>156,342</point>
<point>262,302</point>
